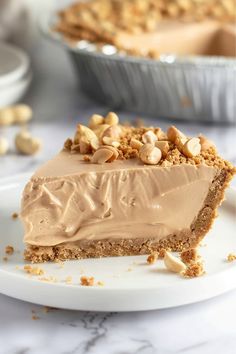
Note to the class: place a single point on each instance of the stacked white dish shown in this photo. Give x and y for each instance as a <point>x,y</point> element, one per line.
<point>15,74</point>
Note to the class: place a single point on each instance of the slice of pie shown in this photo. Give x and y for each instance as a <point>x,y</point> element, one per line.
<point>118,190</point>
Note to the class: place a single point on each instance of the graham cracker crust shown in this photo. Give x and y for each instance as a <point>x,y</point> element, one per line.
<point>130,247</point>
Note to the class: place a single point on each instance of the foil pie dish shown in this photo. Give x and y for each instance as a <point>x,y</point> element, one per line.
<point>193,88</point>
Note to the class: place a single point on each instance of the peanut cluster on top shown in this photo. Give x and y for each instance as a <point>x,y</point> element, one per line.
<point>105,140</point>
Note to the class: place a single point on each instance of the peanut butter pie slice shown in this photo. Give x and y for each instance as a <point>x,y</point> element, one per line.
<point>118,190</point>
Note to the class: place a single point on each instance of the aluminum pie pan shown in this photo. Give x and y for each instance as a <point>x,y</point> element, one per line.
<point>194,88</point>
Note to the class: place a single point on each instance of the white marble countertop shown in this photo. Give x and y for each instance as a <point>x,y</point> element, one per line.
<point>207,327</point>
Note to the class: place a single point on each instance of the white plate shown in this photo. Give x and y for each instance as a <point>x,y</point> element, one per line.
<point>11,94</point>
<point>130,284</point>
<point>14,63</point>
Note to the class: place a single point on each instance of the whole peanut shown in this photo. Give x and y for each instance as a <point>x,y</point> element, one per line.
<point>17,114</point>
<point>26,144</point>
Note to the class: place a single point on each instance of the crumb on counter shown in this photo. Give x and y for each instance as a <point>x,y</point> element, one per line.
<point>47,309</point>
<point>86,281</point>
<point>5,259</point>
<point>14,215</point>
<point>231,257</point>
<point>35,318</point>
<point>9,250</point>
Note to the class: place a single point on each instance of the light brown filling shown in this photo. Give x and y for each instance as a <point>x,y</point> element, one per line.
<point>205,38</point>
<point>121,200</point>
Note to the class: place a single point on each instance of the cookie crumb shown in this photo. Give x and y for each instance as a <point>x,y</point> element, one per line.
<point>34,317</point>
<point>86,281</point>
<point>9,250</point>
<point>33,270</point>
<point>162,252</point>
<point>14,215</point>
<point>152,258</point>
<point>47,309</point>
<point>60,263</point>
<point>68,144</point>
<point>231,257</point>
<point>68,279</point>
<point>5,259</point>
<point>86,158</point>
<point>50,279</point>
<point>189,255</point>
<point>100,283</point>
<point>194,270</point>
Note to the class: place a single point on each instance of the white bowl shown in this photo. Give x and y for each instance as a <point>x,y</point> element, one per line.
<point>10,94</point>
<point>14,64</point>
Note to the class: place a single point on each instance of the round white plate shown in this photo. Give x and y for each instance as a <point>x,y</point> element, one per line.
<point>129,283</point>
<point>11,94</point>
<point>14,63</point>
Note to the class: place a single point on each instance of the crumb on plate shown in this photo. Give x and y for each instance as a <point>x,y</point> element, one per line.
<point>100,283</point>
<point>189,255</point>
<point>86,281</point>
<point>194,269</point>
<point>231,257</point>
<point>33,270</point>
<point>152,258</point>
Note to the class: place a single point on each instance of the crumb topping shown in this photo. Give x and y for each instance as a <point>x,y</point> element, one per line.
<point>101,142</point>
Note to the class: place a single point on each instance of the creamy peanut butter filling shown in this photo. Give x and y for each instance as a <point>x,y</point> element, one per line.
<point>68,200</point>
<point>171,37</point>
